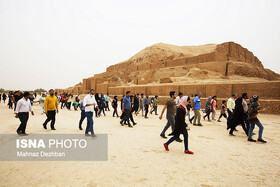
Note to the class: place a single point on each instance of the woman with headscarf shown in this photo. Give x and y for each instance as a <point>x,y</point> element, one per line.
<point>102,104</point>
<point>11,98</point>
<point>115,106</point>
<point>97,99</point>
<point>208,108</point>
<point>238,117</point>
<point>181,126</point>
<point>213,107</point>
<point>253,119</point>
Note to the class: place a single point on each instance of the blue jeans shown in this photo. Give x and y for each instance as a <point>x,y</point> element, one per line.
<point>89,116</point>
<point>189,114</point>
<point>252,126</point>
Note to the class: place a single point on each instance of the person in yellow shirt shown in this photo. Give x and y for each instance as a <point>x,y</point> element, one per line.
<point>230,107</point>
<point>51,107</point>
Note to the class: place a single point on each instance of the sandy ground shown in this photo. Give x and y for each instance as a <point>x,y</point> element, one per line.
<point>137,157</point>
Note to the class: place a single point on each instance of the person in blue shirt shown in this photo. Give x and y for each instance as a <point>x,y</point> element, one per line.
<point>126,109</point>
<point>83,114</point>
<point>107,100</point>
<point>196,108</point>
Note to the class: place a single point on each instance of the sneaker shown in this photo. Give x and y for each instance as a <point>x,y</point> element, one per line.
<point>163,136</point>
<point>261,140</point>
<point>189,152</point>
<point>179,140</point>
<point>231,134</point>
<point>23,134</point>
<point>166,147</point>
<point>251,140</point>
<point>93,135</point>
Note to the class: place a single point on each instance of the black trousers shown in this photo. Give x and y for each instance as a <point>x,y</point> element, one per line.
<point>10,103</point>
<point>68,105</point>
<point>146,110</point>
<point>186,136</point>
<point>115,112</point>
<point>96,112</point>
<point>83,116</point>
<point>126,116</point>
<point>23,117</point>
<point>50,117</point>
<point>229,117</point>
<point>207,114</point>
<point>243,127</point>
<point>131,117</point>
<point>62,104</point>
<point>101,110</point>
<point>107,105</point>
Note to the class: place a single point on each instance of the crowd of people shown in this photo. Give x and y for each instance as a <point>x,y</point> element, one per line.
<point>236,111</point>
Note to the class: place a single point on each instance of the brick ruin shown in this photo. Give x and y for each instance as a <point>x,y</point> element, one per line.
<point>159,69</point>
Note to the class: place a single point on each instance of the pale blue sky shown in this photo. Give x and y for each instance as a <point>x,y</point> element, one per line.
<point>54,44</point>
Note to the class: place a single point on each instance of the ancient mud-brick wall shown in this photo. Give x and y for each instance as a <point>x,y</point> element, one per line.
<point>266,90</point>
<point>231,51</point>
<point>221,60</point>
<point>272,106</point>
<point>214,61</point>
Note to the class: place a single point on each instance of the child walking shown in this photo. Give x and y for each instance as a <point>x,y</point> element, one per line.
<point>223,111</point>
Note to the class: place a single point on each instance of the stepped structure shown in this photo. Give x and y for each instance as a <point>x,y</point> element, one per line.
<point>213,69</point>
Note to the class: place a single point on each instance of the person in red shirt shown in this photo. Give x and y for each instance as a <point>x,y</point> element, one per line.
<point>63,100</point>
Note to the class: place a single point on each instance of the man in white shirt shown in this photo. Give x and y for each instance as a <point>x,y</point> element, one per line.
<point>89,104</point>
<point>230,107</point>
<point>178,98</point>
<point>22,112</point>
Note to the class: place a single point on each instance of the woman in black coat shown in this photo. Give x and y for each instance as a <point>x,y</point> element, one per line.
<point>238,117</point>
<point>181,126</point>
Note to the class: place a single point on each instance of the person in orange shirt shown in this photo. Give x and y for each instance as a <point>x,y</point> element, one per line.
<point>51,107</point>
